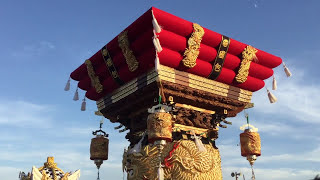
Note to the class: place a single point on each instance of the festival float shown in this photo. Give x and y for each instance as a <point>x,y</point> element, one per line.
<point>171,84</point>
<point>49,171</point>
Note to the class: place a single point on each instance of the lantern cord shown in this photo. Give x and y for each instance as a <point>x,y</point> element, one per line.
<point>98,175</point>
<point>253,176</point>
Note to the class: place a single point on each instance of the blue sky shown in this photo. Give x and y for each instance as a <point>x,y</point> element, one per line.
<point>41,42</point>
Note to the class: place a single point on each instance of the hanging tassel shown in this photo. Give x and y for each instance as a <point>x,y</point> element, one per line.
<point>271,97</point>
<point>198,142</point>
<point>286,70</point>
<point>83,105</point>
<point>137,147</point>
<point>155,24</point>
<point>160,173</point>
<point>157,63</point>
<point>274,83</point>
<point>67,87</point>
<point>76,95</point>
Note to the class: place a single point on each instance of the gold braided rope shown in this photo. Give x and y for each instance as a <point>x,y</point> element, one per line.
<point>124,44</point>
<point>192,52</point>
<point>248,55</point>
<point>95,82</point>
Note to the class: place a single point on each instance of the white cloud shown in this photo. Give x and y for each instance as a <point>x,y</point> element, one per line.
<point>296,99</point>
<point>34,49</point>
<point>24,114</point>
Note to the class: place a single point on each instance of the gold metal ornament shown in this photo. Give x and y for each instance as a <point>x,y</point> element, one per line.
<point>124,44</point>
<point>192,52</point>
<point>181,161</point>
<point>248,55</point>
<point>159,126</point>
<point>95,82</point>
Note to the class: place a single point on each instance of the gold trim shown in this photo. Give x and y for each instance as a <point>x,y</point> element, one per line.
<point>95,82</point>
<point>124,44</point>
<point>248,55</point>
<point>195,108</point>
<point>199,131</point>
<point>192,52</point>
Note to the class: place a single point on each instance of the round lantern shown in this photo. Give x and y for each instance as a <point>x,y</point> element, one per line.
<point>159,127</point>
<point>99,147</point>
<point>250,144</point>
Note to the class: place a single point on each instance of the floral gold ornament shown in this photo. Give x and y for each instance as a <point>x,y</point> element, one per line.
<point>192,52</point>
<point>127,52</point>
<point>159,126</point>
<point>248,55</point>
<point>95,82</point>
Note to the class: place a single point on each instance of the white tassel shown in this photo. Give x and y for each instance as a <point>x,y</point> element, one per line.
<point>137,147</point>
<point>157,63</point>
<point>76,95</point>
<point>155,24</point>
<point>286,70</point>
<point>83,105</point>
<point>199,143</point>
<point>271,97</point>
<point>160,173</point>
<point>274,83</point>
<point>157,44</point>
<point>67,87</point>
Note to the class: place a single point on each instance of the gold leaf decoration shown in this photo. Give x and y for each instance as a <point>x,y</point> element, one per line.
<point>248,55</point>
<point>95,82</point>
<point>192,52</point>
<point>124,44</point>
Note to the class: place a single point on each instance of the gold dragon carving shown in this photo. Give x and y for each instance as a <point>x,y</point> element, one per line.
<point>186,162</point>
<point>192,52</point>
<point>248,55</point>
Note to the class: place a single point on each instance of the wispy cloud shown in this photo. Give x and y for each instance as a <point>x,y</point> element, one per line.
<point>24,114</point>
<point>34,49</point>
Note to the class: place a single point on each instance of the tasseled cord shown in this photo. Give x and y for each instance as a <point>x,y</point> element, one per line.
<point>274,83</point>
<point>76,95</point>
<point>67,87</point>
<point>84,104</point>
<point>272,98</point>
<point>198,142</point>
<point>286,70</point>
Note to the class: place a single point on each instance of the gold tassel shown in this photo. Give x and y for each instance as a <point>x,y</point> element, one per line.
<point>274,83</point>
<point>286,70</point>
<point>67,87</point>
<point>271,97</point>
<point>83,105</point>
<point>76,95</point>
<point>198,142</point>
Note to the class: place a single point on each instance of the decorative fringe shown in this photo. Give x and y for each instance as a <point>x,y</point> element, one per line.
<point>137,147</point>
<point>157,63</point>
<point>286,70</point>
<point>157,44</point>
<point>199,143</point>
<point>155,24</point>
<point>76,95</point>
<point>67,87</point>
<point>84,104</point>
<point>272,98</point>
<point>160,173</point>
<point>274,83</point>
